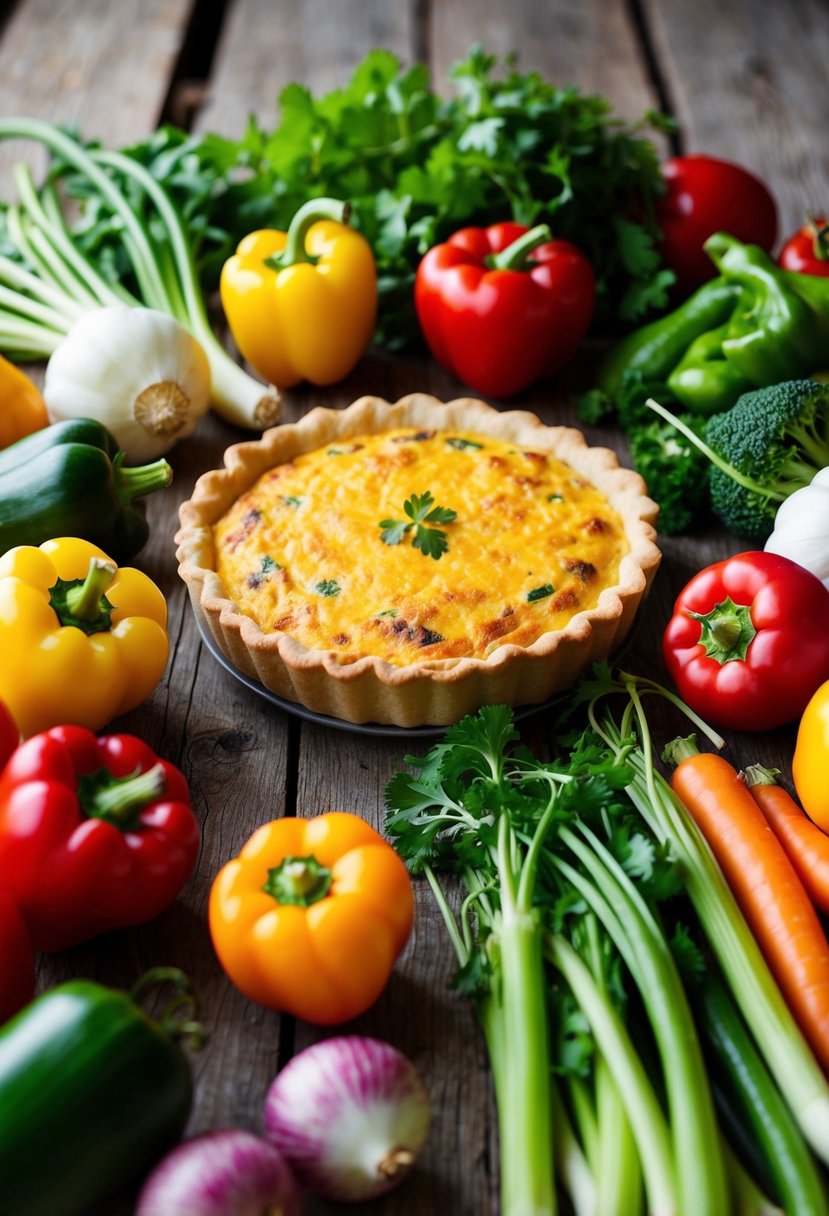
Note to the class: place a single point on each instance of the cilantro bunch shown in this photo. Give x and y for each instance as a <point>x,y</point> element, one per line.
<point>416,166</point>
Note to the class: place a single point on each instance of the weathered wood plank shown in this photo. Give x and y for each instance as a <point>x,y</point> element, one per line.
<point>743,78</point>
<point>100,67</point>
<point>312,41</point>
<point>592,46</point>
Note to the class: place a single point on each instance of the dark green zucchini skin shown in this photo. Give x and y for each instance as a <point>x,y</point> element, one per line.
<point>92,1093</point>
<point>69,480</point>
<point>69,430</point>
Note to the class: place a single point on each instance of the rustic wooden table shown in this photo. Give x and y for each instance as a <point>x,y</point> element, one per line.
<point>745,80</point>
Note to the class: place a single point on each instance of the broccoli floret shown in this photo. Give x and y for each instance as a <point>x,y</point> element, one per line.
<point>776,438</point>
<point>675,472</point>
<point>770,443</point>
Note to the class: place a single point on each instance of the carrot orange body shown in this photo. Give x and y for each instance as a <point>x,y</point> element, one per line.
<point>766,886</point>
<point>806,846</point>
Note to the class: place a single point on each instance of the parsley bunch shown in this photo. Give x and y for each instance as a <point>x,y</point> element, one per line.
<point>415,167</point>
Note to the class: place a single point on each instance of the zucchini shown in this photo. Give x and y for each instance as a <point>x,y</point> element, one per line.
<point>72,487</point>
<point>92,1093</point>
<point>69,430</point>
<point>759,1104</point>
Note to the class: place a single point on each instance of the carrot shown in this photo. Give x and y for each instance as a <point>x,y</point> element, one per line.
<point>764,882</point>
<point>806,845</point>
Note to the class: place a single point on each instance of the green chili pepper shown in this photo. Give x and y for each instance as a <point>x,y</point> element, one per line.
<point>705,381</point>
<point>780,327</point>
<point>656,349</point>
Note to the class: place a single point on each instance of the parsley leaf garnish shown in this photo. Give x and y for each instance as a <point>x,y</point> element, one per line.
<point>421,511</point>
<point>329,587</point>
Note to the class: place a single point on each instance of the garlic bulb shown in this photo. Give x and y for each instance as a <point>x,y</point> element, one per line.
<point>801,527</point>
<point>138,371</point>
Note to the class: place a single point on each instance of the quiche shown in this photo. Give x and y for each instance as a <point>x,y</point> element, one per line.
<point>405,564</point>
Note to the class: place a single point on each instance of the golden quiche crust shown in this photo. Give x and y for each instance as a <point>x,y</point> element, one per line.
<point>421,676</point>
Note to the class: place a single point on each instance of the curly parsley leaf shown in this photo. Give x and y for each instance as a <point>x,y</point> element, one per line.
<point>421,510</point>
<point>416,165</point>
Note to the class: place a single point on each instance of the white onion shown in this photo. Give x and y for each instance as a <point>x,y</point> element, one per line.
<point>350,1115</point>
<point>223,1173</point>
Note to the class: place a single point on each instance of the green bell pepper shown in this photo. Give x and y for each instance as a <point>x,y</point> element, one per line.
<point>705,381</point>
<point>754,325</point>
<point>69,480</point>
<point>92,1093</point>
<point>780,327</point>
<point>656,349</point>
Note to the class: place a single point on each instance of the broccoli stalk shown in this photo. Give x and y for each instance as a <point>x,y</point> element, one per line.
<point>770,443</point>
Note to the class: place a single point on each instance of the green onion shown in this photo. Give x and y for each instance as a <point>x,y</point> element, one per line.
<point>56,282</point>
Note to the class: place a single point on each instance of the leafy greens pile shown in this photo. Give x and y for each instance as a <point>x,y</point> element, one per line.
<point>415,167</point>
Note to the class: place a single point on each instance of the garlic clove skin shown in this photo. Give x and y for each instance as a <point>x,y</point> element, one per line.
<point>801,527</point>
<point>137,371</point>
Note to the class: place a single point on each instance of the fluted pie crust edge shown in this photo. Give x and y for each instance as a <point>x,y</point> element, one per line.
<point>428,693</point>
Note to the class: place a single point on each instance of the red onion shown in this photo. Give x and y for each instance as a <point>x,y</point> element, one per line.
<point>350,1115</point>
<point>224,1173</point>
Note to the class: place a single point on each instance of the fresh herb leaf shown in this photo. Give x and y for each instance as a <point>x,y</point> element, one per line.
<point>540,593</point>
<point>416,165</point>
<point>463,445</point>
<point>421,511</point>
<point>291,500</point>
<point>268,564</point>
<point>329,587</point>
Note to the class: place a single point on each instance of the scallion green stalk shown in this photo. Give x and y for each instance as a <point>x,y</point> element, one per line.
<point>163,267</point>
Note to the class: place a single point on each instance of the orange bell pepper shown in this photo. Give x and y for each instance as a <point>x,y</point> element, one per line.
<point>22,408</point>
<point>311,915</point>
<point>302,304</point>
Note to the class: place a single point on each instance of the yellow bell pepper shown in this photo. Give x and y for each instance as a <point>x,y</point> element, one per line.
<point>22,408</point>
<point>311,915</point>
<point>811,758</point>
<point>302,305</point>
<point>81,641</point>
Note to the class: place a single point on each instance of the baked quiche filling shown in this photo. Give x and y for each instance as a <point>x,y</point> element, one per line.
<point>418,545</point>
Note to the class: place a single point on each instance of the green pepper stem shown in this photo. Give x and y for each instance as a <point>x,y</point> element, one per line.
<point>84,601</point>
<point>141,480</point>
<point>174,1027</point>
<point>118,798</point>
<point>516,256</point>
<point>820,238</point>
<point>310,213</point>
<point>298,880</point>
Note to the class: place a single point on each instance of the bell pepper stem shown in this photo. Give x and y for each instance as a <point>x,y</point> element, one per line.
<point>135,482</point>
<point>726,630</point>
<point>82,602</point>
<point>117,799</point>
<point>188,1029</point>
<point>820,238</point>
<point>310,213</point>
<point>517,255</point>
<point>298,880</point>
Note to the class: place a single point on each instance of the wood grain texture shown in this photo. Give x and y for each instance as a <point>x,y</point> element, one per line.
<point>743,76</point>
<point>744,86</point>
<point>592,46</point>
<point>266,46</point>
<point>103,68</point>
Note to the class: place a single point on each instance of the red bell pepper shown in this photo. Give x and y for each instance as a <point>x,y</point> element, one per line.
<point>501,306</point>
<point>17,963</point>
<point>807,252</point>
<point>95,834</point>
<point>747,644</point>
<point>9,734</point>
